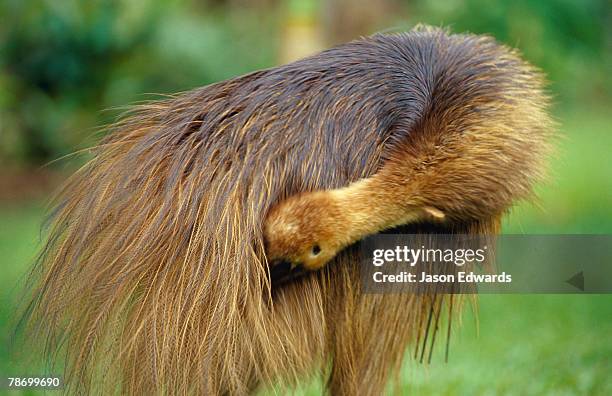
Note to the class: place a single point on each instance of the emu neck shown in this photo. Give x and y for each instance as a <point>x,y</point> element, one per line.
<point>367,208</point>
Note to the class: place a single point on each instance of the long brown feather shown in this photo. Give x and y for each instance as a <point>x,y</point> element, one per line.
<point>154,278</point>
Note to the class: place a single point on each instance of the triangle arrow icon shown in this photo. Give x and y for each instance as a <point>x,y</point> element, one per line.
<point>577,280</point>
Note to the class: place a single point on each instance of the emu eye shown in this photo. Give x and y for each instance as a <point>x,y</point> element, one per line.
<point>316,249</point>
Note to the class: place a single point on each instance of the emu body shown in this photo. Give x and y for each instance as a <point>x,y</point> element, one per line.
<point>476,146</point>
<point>156,273</point>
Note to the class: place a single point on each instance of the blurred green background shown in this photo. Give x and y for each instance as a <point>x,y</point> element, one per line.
<point>64,64</point>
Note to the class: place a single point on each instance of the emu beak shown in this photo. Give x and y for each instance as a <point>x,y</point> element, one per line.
<point>282,271</point>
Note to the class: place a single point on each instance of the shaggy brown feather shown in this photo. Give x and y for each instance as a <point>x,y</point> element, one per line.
<point>155,276</point>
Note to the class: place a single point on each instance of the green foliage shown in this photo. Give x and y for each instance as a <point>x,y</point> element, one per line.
<point>570,40</point>
<point>55,66</point>
<point>61,63</point>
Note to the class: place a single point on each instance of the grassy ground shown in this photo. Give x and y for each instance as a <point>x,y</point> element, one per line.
<point>532,344</point>
<point>19,239</point>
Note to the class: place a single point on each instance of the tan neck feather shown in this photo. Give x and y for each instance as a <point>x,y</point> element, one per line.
<point>369,208</point>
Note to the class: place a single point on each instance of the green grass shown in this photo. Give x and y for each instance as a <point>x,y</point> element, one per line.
<point>577,199</point>
<point>525,344</point>
<point>531,344</point>
<point>19,241</point>
<point>521,345</point>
